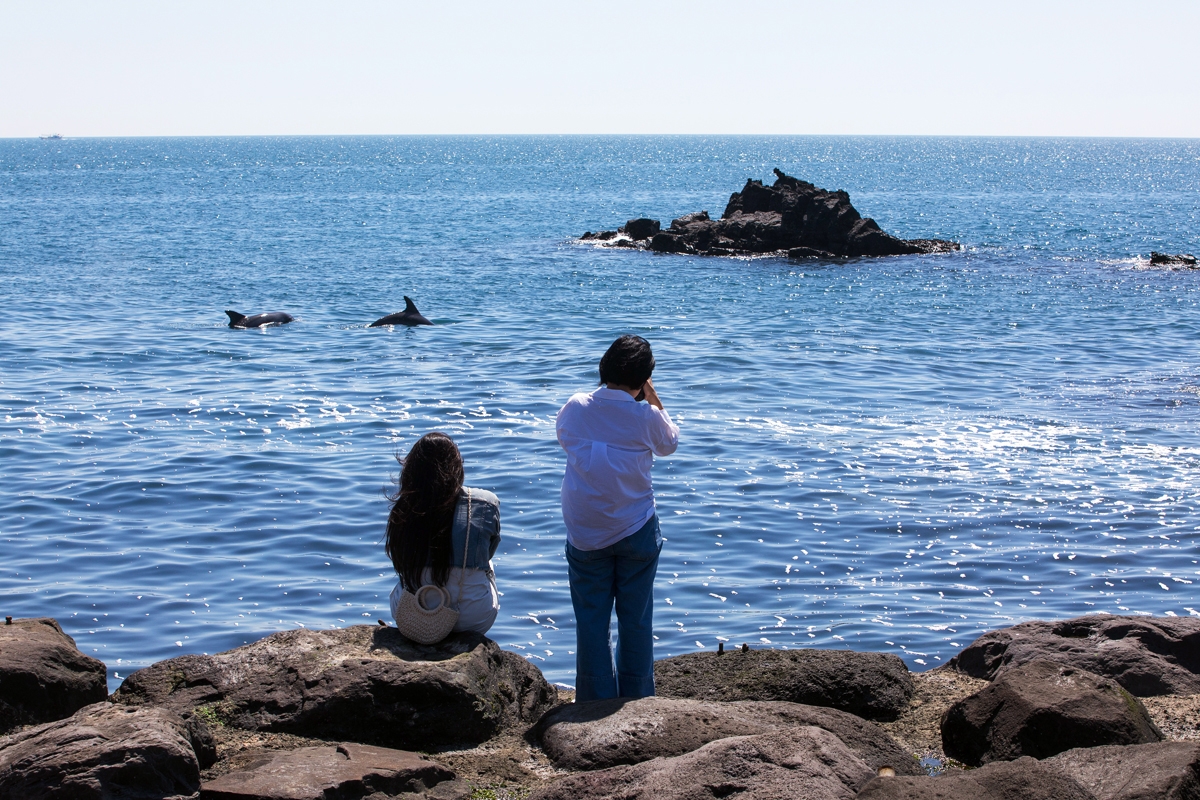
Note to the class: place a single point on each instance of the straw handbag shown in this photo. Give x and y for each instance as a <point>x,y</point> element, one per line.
<point>426,624</point>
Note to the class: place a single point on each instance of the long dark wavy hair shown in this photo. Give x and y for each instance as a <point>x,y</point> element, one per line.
<point>418,526</point>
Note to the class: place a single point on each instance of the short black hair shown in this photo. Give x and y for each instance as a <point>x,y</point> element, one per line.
<point>627,362</point>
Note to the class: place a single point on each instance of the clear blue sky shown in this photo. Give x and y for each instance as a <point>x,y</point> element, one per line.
<point>203,68</point>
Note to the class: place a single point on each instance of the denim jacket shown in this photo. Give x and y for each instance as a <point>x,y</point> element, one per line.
<point>485,529</point>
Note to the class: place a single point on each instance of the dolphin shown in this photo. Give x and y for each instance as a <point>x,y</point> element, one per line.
<point>409,316</point>
<point>237,320</point>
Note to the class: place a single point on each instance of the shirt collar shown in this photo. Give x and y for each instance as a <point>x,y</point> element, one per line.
<point>604,393</point>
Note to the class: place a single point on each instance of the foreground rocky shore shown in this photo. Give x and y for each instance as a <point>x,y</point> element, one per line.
<point>791,217</point>
<point>1095,708</point>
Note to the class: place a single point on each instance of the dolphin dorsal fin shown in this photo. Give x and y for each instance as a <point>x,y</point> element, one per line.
<point>409,306</point>
<point>234,317</point>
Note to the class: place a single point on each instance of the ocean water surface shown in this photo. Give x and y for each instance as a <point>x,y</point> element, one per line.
<point>893,454</point>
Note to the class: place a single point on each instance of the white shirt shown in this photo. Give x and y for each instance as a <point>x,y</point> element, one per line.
<point>611,440</point>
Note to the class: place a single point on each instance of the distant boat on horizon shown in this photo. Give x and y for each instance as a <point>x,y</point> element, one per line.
<point>52,136</point>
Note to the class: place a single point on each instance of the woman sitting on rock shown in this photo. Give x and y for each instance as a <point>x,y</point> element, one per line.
<point>442,533</point>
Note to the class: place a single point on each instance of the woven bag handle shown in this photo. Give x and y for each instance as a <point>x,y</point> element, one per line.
<point>466,544</point>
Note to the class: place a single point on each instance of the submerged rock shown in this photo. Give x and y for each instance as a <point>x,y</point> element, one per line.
<point>363,683</point>
<point>1024,779</point>
<point>1042,709</point>
<point>606,733</point>
<point>1162,771</point>
<point>870,685</point>
<point>1147,655</point>
<point>102,751</point>
<point>791,217</point>
<point>43,676</point>
<point>1168,260</point>
<point>347,772</point>
<point>804,762</point>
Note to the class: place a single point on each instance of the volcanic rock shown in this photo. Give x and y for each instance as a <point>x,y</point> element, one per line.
<point>102,751</point>
<point>364,683</point>
<point>1162,771</point>
<point>871,685</point>
<point>1147,655</point>
<point>639,229</point>
<point>204,744</point>
<point>1024,779</point>
<point>347,772</point>
<point>1041,709</point>
<point>602,235</point>
<point>1166,259</point>
<point>43,676</point>
<point>606,733</point>
<point>791,217</point>
<point>803,762</point>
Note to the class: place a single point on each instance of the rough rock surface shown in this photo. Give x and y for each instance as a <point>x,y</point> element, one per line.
<point>792,216</point>
<point>101,751</point>
<point>1041,709</point>
<point>1177,716</point>
<point>640,229</point>
<point>204,744</point>
<point>607,733</point>
<point>1024,779</point>
<point>43,676</point>
<point>1147,655</point>
<point>1168,260</point>
<point>870,685</point>
<point>347,772</point>
<point>804,762</point>
<point>918,729</point>
<point>363,683</point>
<point>1162,771</point>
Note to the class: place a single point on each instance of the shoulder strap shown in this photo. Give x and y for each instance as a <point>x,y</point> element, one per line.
<point>466,545</point>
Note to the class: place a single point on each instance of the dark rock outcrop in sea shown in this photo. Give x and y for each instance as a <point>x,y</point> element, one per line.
<point>1168,260</point>
<point>1162,771</point>
<point>102,751</point>
<point>43,676</point>
<point>1024,779</point>
<point>804,762</point>
<point>791,217</point>
<point>1041,709</point>
<point>870,685</point>
<point>364,684</point>
<point>641,229</point>
<point>607,733</point>
<point>1147,655</point>
<point>346,771</point>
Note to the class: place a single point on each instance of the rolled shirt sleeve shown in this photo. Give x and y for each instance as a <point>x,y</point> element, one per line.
<point>663,433</point>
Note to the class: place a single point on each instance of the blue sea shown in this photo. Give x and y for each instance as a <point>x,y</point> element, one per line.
<point>891,454</point>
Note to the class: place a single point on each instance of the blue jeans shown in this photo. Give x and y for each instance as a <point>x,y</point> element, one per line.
<point>622,573</point>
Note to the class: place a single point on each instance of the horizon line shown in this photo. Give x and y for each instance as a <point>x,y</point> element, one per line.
<point>65,137</point>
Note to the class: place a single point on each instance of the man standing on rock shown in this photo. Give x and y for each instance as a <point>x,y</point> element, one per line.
<point>613,537</point>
